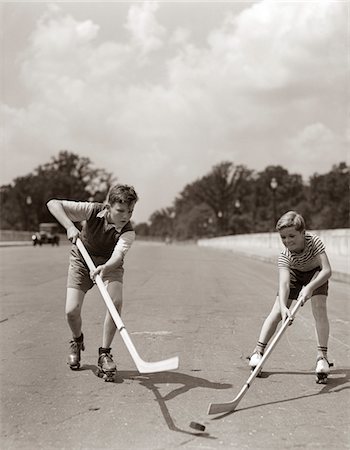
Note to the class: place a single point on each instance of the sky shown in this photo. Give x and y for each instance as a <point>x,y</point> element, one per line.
<point>157,93</point>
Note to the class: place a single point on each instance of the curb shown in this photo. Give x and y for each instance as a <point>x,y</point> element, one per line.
<point>15,244</point>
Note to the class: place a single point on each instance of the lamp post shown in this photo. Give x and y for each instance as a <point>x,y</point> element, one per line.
<point>27,211</point>
<point>274,185</point>
<point>237,222</point>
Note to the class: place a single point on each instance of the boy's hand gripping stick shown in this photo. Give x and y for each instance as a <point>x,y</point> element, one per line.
<point>142,366</point>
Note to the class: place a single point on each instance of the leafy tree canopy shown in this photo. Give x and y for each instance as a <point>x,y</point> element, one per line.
<point>66,176</point>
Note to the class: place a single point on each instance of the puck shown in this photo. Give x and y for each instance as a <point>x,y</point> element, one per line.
<point>197,426</point>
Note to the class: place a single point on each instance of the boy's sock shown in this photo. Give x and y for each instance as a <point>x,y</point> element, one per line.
<point>260,347</point>
<point>322,351</point>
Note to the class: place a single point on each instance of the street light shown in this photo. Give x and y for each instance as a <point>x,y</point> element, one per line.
<point>27,211</point>
<point>274,185</point>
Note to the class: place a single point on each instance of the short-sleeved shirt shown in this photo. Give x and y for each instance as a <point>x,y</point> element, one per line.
<point>305,260</point>
<point>101,240</point>
<point>99,237</point>
<point>303,265</point>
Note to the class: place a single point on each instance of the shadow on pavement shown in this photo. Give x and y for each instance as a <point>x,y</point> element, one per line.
<point>334,385</point>
<point>151,382</point>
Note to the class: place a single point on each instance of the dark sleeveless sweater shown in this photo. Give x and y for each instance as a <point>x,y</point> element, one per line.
<point>98,237</point>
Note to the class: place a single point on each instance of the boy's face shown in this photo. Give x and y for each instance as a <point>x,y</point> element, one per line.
<point>120,213</point>
<point>294,240</point>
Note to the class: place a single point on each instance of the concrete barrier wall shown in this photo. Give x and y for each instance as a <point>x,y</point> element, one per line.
<point>336,241</point>
<point>11,235</point>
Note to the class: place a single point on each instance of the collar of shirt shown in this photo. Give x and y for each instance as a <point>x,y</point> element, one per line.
<point>103,215</point>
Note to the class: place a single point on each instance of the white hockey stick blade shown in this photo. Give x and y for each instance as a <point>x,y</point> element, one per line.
<point>218,408</point>
<point>142,366</point>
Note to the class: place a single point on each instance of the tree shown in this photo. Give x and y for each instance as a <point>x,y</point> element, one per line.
<point>329,196</point>
<point>215,195</point>
<point>67,176</point>
<point>161,223</point>
<point>273,200</point>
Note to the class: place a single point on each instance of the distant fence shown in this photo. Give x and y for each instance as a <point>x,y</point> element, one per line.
<point>23,236</point>
<point>336,241</point>
<point>10,235</point>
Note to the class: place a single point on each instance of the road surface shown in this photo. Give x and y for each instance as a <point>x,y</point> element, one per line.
<point>204,305</point>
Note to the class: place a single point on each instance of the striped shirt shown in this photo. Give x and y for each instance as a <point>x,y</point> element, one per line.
<point>305,260</point>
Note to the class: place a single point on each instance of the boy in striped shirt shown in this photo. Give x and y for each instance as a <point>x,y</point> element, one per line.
<point>107,235</point>
<point>304,255</point>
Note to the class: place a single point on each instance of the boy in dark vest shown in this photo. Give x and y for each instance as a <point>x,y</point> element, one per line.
<point>107,235</point>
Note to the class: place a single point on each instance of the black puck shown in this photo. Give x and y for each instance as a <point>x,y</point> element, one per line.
<point>197,426</point>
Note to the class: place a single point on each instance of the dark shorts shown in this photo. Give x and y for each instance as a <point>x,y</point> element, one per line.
<point>299,279</point>
<point>79,274</point>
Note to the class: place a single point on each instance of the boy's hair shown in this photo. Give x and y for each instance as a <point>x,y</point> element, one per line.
<point>121,193</point>
<point>291,219</point>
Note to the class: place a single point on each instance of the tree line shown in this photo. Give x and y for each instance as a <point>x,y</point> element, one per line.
<point>66,176</point>
<point>230,199</point>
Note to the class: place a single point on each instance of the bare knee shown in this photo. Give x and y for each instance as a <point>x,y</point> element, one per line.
<point>275,315</point>
<point>118,303</point>
<point>73,313</point>
<point>319,306</point>
<point>74,303</point>
<point>116,293</point>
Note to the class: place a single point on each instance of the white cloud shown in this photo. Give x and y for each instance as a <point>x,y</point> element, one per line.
<point>266,88</point>
<point>146,32</point>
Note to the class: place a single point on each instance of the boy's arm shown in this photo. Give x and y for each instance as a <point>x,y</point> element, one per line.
<point>323,275</point>
<point>283,292</point>
<point>123,245</point>
<point>65,212</point>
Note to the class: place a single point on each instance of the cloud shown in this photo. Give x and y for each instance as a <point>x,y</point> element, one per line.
<point>159,108</point>
<point>146,32</point>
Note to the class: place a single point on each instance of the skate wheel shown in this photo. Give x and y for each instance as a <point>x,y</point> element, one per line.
<point>321,378</point>
<point>110,377</point>
<point>99,373</point>
<point>77,367</point>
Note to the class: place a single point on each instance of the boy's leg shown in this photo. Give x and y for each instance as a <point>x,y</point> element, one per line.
<point>267,331</point>
<point>74,303</point>
<point>319,310</point>
<point>115,289</point>
<point>107,367</point>
<point>270,324</point>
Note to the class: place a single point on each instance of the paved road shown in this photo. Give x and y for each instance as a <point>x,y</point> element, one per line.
<point>205,306</point>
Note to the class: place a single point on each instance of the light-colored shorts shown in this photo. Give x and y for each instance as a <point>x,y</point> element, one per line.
<point>79,274</point>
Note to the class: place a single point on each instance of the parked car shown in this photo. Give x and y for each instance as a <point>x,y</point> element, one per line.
<point>47,234</point>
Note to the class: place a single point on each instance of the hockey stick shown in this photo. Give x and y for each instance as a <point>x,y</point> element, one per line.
<point>142,366</point>
<point>218,408</point>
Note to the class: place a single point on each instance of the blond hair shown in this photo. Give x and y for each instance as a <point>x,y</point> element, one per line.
<point>291,219</point>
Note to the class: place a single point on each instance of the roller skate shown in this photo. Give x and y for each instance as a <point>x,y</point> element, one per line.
<point>76,347</point>
<point>322,370</point>
<point>254,360</point>
<point>106,366</point>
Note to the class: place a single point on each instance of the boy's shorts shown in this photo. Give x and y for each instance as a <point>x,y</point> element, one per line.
<point>299,279</point>
<point>79,274</point>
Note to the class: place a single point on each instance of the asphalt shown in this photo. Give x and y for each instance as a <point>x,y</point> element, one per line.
<point>205,306</point>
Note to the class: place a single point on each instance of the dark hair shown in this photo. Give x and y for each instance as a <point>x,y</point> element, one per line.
<point>291,219</point>
<point>121,193</point>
